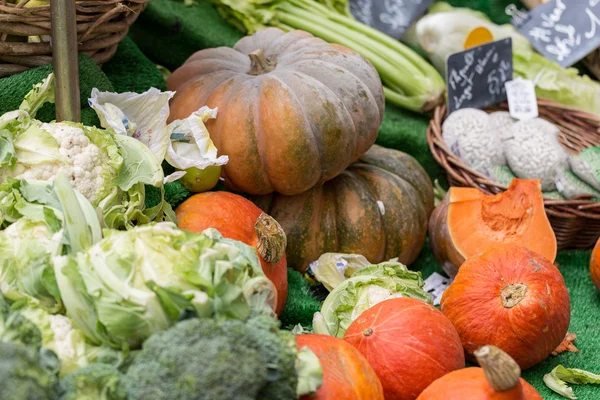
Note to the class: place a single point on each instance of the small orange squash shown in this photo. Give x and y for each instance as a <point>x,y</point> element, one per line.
<point>346,373</point>
<point>497,379</point>
<point>468,222</point>
<point>409,344</point>
<point>294,110</point>
<point>512,298</point>
<point>595,265</point>
<point>239,219</point>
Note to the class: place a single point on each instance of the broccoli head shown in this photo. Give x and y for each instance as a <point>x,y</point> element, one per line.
<point>198,359</point>
<point>93,382</point>
<point>27,372</point>
<point>15,327</point>
<point>279,350</point>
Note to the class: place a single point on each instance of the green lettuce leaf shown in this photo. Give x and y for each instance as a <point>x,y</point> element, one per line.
<point>559,377</point>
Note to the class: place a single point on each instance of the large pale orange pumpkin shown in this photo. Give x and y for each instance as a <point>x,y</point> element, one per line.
<point>595,265</point>
<point>378,207</point>
<point>294,110</point>
<point>512,298</point>
<point>239,219</point>
<point>497,379</point>
<point>346,373</point>
<point>468,222</point>
<point>409,344</point>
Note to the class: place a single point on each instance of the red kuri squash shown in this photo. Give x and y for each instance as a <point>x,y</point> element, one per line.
<point>294,110</point>
<point>239,219</point>
<point>468,222</point>
<point>512,298</point>
<point>595,265</point>
<point>409,344</point>
<point>497,379</point>
<point>346,373</point>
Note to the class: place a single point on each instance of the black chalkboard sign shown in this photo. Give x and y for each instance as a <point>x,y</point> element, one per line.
<point>392,17</point>
<point>564,31</point>
<point>476,77</point>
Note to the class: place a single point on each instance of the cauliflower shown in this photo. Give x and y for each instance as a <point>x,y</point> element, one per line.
<point>468,135</point>
<point>109,170</point>
<point>533,151</point>
<point>88,168</point>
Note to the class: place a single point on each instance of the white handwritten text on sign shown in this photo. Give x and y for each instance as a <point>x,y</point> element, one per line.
<point>564,31</point>
<point>392,17</point>
<point>475,77</point>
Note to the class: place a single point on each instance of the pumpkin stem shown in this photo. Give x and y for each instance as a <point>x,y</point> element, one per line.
<point>271,238</point>
<point>512,294</point>
<point>259,63</point>
<point>501,371</point>
<point>368,332</point>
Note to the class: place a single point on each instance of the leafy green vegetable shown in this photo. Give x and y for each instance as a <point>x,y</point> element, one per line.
<point>333,268</point>
<point>138,282</point>
<point>367,287</point>
<point>39,221</point>
<point>559,377</point>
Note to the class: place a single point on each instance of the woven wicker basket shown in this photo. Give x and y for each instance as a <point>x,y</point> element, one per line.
<point>576,222</point>
<point>25,31</point>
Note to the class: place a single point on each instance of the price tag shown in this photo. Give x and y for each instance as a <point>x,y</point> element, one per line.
<point>475,77</point>
<point>392,17</point>
<point>522,102</point>
<point>435,285</point>
<point>564,31</point>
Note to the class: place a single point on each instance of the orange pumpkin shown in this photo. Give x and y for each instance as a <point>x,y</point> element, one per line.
<point>497,379</point>
<point>239,219</point>
<point>346,373</point>
<point>469,222</point>
<point>512,298</point>
<point>409,344</point>
<point>294,110</point>
<point>595,265</point>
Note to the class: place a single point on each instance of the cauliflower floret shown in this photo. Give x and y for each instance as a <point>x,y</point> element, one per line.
<point>468,135</point>
<point>84,161</point>
<point>534,152</point>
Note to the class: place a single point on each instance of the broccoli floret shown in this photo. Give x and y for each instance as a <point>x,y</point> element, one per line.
<point>198,359</point>
<point>279,350</point>
<point>93,382</point>
<point>14,327</point>
<point>27,372</point>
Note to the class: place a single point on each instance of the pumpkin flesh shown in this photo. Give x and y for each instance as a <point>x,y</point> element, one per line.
<point>469,222</point>
<point>409,344</point>
<point>512,298</point>
<point>470,383</point>
<point>378,208</point>
<point>235,218</point>
<point>595,265</point>
<point>346,373</point>
<point>294,110</point>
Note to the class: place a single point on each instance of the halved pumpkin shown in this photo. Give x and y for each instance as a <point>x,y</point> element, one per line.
<point>468,222</point>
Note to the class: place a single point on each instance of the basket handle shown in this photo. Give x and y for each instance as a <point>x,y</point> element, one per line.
<point>65,60</point>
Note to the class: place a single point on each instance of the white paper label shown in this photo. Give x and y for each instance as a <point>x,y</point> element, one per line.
<point>435,285</point>
<point>522,103</point>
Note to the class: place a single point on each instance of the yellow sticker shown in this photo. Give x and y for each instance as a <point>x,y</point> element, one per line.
<point>478,36</point>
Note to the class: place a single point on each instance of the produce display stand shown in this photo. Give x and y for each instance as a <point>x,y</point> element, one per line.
<point>207,290</point>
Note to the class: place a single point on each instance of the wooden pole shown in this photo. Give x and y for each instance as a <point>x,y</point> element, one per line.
<point>64,58</point>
